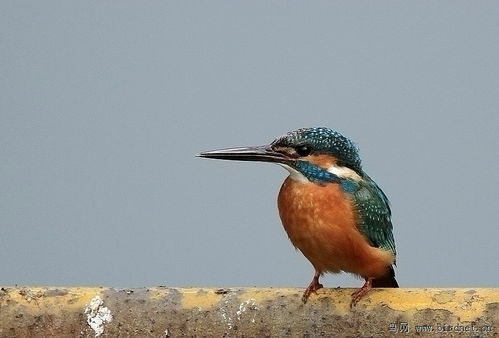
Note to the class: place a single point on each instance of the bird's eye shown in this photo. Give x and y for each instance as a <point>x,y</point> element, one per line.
<point>303,150</point>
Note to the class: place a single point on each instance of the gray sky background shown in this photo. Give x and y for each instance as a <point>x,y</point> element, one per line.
<point>104,104</point>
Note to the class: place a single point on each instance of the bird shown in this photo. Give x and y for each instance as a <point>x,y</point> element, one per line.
<point>330,208</point>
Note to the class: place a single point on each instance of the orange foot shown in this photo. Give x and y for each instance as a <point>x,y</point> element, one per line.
<point>313,287</point>
<point>357,295</point>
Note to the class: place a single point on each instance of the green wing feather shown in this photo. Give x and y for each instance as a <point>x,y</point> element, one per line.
<point>374,211</point>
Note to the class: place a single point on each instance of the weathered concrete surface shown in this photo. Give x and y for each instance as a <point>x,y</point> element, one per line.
<point>248,312</point>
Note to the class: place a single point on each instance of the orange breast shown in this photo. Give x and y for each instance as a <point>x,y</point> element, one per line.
<point>320,221</point>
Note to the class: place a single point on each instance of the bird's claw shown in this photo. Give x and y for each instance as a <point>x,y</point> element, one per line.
<point>313,287</point>
<point>358,294</point>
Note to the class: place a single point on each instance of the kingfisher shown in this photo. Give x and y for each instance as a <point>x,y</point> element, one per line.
<point>332,211</point>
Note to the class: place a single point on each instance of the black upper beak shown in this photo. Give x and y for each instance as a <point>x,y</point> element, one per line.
<point>258,153</point>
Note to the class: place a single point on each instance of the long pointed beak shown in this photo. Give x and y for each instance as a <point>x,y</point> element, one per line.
<point>258,153</point>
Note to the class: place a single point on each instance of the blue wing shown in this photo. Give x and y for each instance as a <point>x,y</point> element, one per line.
<point>374,211</point>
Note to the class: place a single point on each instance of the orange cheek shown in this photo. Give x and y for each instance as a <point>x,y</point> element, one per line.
<point>323,161</point>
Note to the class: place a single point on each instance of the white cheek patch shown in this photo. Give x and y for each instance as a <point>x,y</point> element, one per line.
<point>294,174</point>
<point>344,172</point>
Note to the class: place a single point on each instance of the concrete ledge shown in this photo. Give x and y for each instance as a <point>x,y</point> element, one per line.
<point>249,312</point>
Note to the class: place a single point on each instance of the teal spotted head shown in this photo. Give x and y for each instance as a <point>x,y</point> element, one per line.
<point>310,154</point>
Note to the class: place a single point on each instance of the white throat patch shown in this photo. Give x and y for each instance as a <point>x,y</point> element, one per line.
<point>294,174</point>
